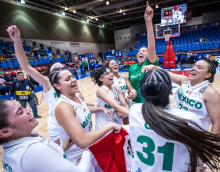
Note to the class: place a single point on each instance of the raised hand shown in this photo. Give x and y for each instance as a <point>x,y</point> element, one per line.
<point>149,13</point>
<point>14,33</point>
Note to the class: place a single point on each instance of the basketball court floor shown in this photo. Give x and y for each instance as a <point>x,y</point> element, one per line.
<point>88,89</point>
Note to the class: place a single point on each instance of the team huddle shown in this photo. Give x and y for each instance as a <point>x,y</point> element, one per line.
<point>160,138</point>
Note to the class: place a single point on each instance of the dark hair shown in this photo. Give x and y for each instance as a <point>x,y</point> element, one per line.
<point>19,73</point>
<point>212,69</point>
<point>155,88</point>
<point>3,117</point>
<point>96,74</point>
<point>107,65</point>
<point>54,77</point>
<point>47,71</point>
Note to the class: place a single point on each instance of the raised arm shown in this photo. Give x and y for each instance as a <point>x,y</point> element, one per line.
<point>66,117</point>
<point>148,16</point>
<point>102,93</point>
<point>14,33</point>
<point>175,78</point>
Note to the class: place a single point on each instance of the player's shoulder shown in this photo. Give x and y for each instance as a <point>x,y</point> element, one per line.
<point>185,115</point>
<point>133,66</point>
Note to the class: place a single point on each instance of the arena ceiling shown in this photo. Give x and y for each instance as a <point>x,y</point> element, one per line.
<point>119,14</point>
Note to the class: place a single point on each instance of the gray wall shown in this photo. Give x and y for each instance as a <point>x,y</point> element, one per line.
<point>211,17</point>
<point>35,24</point>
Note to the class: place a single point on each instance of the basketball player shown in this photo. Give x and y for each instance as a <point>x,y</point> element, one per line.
<point>145,56</point>
<point>196,93</point>
<point>108,95</point>
<point>73,116</point>
<point>49,93</point>
<point>26,150</point>
<point>165,139</point>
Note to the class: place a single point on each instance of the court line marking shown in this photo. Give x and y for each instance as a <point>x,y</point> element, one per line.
<point>85,87</point>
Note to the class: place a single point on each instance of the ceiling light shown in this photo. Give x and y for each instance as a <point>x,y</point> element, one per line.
<point>156,6</point>
<point>123,13</point>
<point>66,8</point>
<point>74,11</point>
<point>87,21</point>
<point>107,3</point>
<point>97,19</point>
<point>22,1</point>
<point>91,17</point>
<point>103,25</point>
<point>63,13</point>
<point>120,11</point>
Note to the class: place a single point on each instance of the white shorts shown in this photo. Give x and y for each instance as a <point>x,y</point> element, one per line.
<point>52,129</point>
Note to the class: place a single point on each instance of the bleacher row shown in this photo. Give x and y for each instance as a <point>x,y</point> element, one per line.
<point>13,64</point>
<point>186,41</point>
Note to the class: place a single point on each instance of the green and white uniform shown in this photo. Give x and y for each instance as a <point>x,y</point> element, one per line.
<point>101,118</point>
<point>189,98</point>
<point>153,153</point>
<point>135,76</point>
<point>121,83</point>
<point>84,117</point>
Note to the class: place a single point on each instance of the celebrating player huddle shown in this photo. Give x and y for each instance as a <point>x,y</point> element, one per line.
<point>158,138</point>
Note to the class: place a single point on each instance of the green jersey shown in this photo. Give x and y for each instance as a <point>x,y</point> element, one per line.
<point>135,76</point>
<point>85,64</point>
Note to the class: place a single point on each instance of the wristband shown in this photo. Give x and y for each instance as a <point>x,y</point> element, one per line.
<point>133,90</point>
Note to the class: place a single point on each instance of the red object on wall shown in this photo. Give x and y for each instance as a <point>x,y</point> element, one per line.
<point>169,56</point>
<point>76,58</point>
<point>39,69</point>
<point>5,73</point>
<point>14,72</point>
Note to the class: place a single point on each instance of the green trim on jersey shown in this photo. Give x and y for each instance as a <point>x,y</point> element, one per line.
<point>135,76</point>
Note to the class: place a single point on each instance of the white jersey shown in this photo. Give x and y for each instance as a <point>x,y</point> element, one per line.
<point>121,83</point>
<point>153,153</point>
<point>51,98</point>
<point>189,98</point>
<point>13,151</point>
<point>101,118</point>
<point>84,117</point>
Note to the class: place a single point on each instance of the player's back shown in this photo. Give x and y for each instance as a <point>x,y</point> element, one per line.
<point>153,153</point>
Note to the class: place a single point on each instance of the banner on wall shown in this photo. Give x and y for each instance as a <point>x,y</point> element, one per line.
<point>108,55</point>
<point>189,15</point>
<point>81,56</point>
<point>75,57</point>
<point>118,54</point>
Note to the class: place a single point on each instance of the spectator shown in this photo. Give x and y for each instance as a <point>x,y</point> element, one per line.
<point>3,90</point>
<point>78,70</point>
<point>201,40</point>
<point>35,49</point>
<point>179,58</point>
<point>51,58</point>
<point>22,89</point>
<point>213,54</point>
<point>8,79</point>
<point>197,41</point>
<point>91,64</point>
<point>42,54</point>
<point>85,65</point>
<point>9,51</point>
<point>100,62</point>
<point>205,39</point>
<point>113,52</point>
<point>2,57</point>
<point>81,67</point>
<point>4,51</point>
<point>189,57</point>
<point>96,65</point>
<point>208,56</point>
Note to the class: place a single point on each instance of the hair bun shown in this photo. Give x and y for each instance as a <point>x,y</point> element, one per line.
<point>215,63</point>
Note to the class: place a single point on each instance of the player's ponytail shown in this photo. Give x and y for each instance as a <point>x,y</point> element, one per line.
<point>155,88</point>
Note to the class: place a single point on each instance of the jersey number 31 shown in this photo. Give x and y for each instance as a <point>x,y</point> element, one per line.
<point>167,150</point>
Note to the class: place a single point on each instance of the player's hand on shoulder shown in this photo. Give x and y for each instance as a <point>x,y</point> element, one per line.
<point>67,143</point>
<point>119,115</point>
<point>147,68</point>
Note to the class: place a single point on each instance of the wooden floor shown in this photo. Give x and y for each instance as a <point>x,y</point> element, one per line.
<point>88,89</point>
